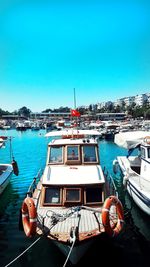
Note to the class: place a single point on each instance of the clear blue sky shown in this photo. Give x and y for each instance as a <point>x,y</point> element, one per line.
<point>47,48</point>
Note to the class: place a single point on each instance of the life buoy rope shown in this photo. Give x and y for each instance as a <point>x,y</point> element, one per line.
<point>29,217</point>
<point>110,229</point>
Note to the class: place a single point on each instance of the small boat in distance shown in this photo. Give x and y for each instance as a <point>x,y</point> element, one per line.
<point>135,168</point>
<point>3,139</point>
<point>71,202</point>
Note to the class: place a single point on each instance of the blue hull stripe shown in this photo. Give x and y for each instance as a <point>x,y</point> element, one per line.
<point>141,196</point>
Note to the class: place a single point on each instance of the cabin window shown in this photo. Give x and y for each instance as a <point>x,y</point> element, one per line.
<point>72,153</point>
<point>72,195</point>
<point>142,152</point>
<point>52,196</point>
<point>56,154</point>
<point>93,195</point>
<point>148,152</point>
<point>89,153</point>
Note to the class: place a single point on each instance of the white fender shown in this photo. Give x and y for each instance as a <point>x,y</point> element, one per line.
<point>115,166</point>
<point>125,179</point>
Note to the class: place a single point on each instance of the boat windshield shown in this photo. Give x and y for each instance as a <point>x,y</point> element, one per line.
<point>89,153</point>
<point>56,154</point>
<point>72,153</point>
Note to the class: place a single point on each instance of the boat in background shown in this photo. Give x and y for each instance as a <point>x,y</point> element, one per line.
<point>3,139</point>
<point>7,170</point>
<point>71,203</point>
<point>135,168</point>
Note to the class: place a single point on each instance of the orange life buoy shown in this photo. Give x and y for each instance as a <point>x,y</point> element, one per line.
<point>29,217</point>
<point>112,230</point>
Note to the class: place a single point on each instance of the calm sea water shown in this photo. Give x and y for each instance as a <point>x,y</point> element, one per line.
<point>29,150</point>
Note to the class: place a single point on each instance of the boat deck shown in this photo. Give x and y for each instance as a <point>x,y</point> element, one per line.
<point>58,221</point>
<point>61,221</point>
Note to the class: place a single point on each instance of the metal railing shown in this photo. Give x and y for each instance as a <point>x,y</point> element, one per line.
<point>32,186</point>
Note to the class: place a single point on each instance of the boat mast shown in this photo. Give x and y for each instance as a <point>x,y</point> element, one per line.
<point>74,98</point>
<point>75,107</point>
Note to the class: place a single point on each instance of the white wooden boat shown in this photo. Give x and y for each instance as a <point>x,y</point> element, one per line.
<point>71,203</point>
<point>6,171</point>
<point>135,168</point>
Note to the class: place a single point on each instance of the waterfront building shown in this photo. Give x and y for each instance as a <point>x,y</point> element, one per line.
<point>140,99</point>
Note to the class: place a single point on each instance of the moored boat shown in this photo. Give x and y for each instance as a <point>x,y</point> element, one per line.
<point>71,202</point>
<point>6,170</point>
<point>135,168</point>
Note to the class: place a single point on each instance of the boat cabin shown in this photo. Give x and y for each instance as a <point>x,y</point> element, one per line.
<point>141,163</point>
<point>73,153</point>
<point>73,175</point>
<point>145,159</point>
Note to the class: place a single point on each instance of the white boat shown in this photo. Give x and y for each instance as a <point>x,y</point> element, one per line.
<point>71,203</point>
<point>6,170</point>
<point>135,168</point>
<point>35,126</point>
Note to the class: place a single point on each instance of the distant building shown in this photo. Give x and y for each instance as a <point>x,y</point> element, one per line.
<point>50,115</point>
<point>111,116</point>
<point>140,99</point>
<point>12,117</point>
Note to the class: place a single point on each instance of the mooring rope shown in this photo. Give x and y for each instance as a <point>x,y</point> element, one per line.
<point>23,252</point>
<point>71,248</point>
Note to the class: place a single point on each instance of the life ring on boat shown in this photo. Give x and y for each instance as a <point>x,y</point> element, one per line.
<point>147,139</point>
<point>29,217</point>
<point>111,229</point>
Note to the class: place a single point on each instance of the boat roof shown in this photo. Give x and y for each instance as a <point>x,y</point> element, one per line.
<point>73,132</point>
<point>73,175</point>
<point>130,138</point>
<point>81,141</point>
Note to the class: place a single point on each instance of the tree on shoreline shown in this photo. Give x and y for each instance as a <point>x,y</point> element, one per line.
<point>133,111</point>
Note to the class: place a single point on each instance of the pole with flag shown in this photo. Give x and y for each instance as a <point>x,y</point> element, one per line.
<point>74,98</point>
<point>74,112</point>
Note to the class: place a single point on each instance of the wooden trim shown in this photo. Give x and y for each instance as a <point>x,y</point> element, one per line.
<point>94,203</point>
<point>72,161</point>
<point>96,152</point>
<point>43,196</point>
<point>73,201</point>
<point>55,162</point>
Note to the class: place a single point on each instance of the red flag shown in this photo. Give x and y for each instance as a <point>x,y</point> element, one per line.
<point>75,113</point>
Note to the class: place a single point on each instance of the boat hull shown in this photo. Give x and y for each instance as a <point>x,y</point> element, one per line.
<point>6,171</point>
<point>77,252</point>
<point>141,200</point>
<point>136,185</point>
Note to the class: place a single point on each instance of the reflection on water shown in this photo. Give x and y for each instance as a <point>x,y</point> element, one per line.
<point>30,149</point>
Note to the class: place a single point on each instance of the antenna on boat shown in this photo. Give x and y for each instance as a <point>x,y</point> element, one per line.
<point>75,123</point>
<point>74,98</point>
<point>74,112</point>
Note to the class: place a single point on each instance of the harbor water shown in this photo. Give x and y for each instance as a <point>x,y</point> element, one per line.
<point>29,150</point>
